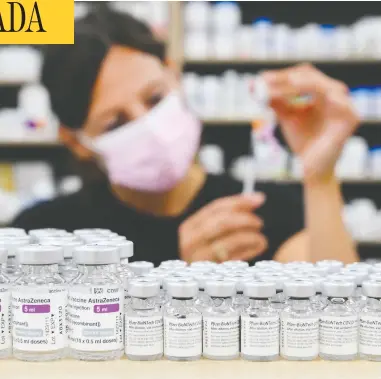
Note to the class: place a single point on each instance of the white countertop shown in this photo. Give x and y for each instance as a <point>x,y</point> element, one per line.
<point>203,369</point>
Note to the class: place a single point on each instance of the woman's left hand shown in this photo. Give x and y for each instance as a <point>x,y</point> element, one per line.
<point>316,131</point>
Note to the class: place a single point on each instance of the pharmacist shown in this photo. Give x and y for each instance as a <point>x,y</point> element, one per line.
<point>118,104</point>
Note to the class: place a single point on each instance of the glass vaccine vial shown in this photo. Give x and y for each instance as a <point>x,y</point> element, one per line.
<point>240,301</point>
<point>67,268</point>
<point>331,265</point>
<point>95,305</point>
<point>338,327</point>
<point>370,322</point>
<point>144,321</point>
<point>173,264</point>
<point>182,321</point>
<point>39,299</point>
<point>37,234</point>
<point>12,267</point>
<point>5,310</point>
<point>203,300</point>
<point>358,299</point>
<point>126,251</point>
<point>141,268</point>
<point>278,301</point>
<point>259,323</point>
<point>299,338</point>
<point>221,321</point>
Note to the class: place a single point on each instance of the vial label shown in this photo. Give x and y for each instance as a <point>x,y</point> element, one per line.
<point>370,335</point>
<point>221,336</point>
<point>95,319</point>
<point>259,336</point>
<point>5,319</point>
<point>39,322</point>
<point>299,337</point>
<point>338,335</point>
<point>182,337</point>
<point>144,335</point>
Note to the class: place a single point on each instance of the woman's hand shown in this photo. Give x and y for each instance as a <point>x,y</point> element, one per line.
<point>315,132</point>
<point>224,229</point>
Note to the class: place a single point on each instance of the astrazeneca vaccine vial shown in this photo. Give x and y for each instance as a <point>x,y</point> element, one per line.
<point>144,321</point>
<point>338,327</point>
<point>126,251</point>
<point>221,321</point>
<point>5,310</point>
<point>12,267</point>
<point>370,322</point>
<point>67,268</point>
<point>182,322</point>
<point>95,305</point>
<point>38,234</point>
<point>141,268</point>
<point>259,323</point>
<point>299,338</point>
<point>39,299</point>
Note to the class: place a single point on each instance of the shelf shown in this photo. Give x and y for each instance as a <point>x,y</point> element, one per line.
<point>244,122</point>
<point>280,61</point>
<point>29,144</point>
<point>15,83</point>
<point>298,181</point>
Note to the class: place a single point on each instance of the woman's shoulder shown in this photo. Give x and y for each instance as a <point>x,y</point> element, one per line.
<point>62,212</point>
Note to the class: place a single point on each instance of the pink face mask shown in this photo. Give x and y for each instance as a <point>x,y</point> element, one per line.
<point>154,152</point>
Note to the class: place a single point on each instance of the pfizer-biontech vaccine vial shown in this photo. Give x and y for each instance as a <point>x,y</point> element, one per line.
<point>144,321</point>
<point>259,323</point>
<point>370,322</point>
<point>182,321</point>
<point>299,337</point>
<point>338,327</point>
<point>5,310</point>
<point>221,319</point>
<point>95,305</point>
<point>39,299</point>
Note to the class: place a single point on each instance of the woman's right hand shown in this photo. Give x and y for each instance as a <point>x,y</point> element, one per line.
<point>225,229</point>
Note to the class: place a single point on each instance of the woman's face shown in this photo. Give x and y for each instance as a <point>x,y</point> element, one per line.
<point>129,84</point>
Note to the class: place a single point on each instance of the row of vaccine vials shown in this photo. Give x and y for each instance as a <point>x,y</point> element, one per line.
<point>220,311</point>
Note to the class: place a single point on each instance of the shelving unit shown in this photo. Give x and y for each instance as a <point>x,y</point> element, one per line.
<point>251,61</point>
<point>233,133</point>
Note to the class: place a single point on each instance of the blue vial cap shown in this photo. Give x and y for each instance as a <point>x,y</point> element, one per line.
<point>264,20</point>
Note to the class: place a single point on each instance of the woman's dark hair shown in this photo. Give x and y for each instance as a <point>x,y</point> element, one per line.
<point>70,71</point>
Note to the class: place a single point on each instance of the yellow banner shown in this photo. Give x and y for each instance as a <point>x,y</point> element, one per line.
<point>37,22</point>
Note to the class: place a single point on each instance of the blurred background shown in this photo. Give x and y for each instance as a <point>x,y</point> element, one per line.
<point>219,47</point>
